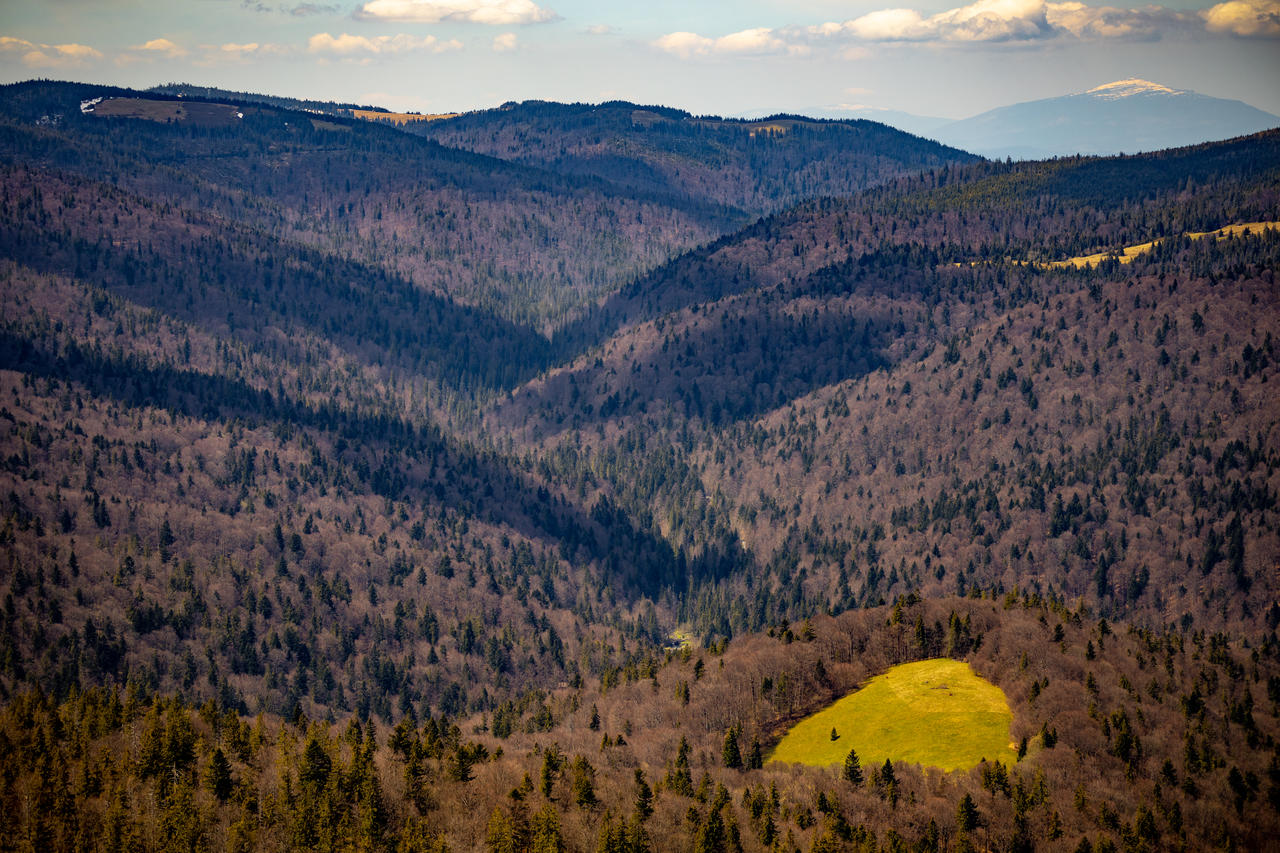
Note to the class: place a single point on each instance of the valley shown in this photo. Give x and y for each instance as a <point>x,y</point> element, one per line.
<point>517,479</point>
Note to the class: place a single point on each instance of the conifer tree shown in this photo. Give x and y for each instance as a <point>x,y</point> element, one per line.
<point>966,814</point>
<point>852,772</point>
<point>218,775</point>
<point>731,754</point>
<point>644,797</point>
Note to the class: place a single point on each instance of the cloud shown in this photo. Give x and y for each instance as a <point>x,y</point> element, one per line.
<point>684,44</point>
<point>297,10</point>
<point>983,21</point>
<point>504,42</point>
<point>213,54</point>
<point>500,13</point>
<point>1147,23</point>
<point>48,55</point>
<point>348,45</point>
<point>1255,18</point>
<point>995,21</point>
<point>755,41</point>
<point>599,30</point>
<point>249,49</point>
<point>162,47</point>
<point>303,10</point>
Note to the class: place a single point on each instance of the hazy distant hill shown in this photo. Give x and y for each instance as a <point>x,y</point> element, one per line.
<point>922,126</point>
<point>520,241</point>
<point>755,166</point>
<point>189,90</point>
<point>1124,116</point>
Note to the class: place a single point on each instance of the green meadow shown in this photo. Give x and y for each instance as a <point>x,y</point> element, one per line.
<point>938,713</point>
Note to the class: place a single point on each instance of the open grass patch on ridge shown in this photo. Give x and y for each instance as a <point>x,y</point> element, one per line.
<point>937,713</point>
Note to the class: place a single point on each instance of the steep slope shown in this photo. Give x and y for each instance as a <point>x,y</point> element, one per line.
<point>523,242</point>
<point>222,476</point>
<point>755,166</point>
<point>1123,116</point>
<point>882,395</point>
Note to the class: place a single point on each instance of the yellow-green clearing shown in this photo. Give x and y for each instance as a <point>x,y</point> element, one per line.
<point>938,713</point>
<point>1131,252</point>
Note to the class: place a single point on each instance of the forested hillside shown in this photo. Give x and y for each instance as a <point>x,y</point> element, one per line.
<point>521,242</point>
<point>755,166</point>
<point>361,492</point>
<point>872,403</point>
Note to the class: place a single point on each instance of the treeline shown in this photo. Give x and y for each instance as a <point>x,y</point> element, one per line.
<point>998,423</point>
<point>1175,733</point>
<point>527,243</point>
<point>754,167</point>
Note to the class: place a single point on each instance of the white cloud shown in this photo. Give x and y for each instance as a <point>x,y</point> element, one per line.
<point>1258,18</point>
<point>684,44</point>
<point>1007,21</point>
<point>162,47</point>
<point>983,21</point>
<point>599,30</point>
<point>348,45</point>
<point>499,13</point>
<point>252,48</point>
<point>884,25</point>
<point>504,42</point>
<point>48,55</point>
<point>758,40</point>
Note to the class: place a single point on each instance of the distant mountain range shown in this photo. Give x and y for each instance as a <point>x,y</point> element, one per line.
<point>1124,116</point>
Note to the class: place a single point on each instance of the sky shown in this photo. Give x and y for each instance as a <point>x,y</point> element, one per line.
<point>725,57</point>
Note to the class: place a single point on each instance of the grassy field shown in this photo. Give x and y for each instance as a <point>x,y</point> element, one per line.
<point>937,713</point>
<point>399,118</point>
<point>195,112</point>
<point>1130,252</point>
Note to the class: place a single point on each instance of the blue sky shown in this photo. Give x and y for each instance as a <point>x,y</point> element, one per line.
<point>938,58</point>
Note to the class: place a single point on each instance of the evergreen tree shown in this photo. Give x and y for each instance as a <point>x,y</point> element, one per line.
<point>584,789</point>
<point>966,814</point>
<point>755,758</point>
<point>852,772</point>
<point>498,836</point>
<point>546,831</point>
<point>680,778</point>
<point>710,836</point>
<point>218,775</point>
<point>731,754</point>
<point>313,770</point>
<point>644,797</point>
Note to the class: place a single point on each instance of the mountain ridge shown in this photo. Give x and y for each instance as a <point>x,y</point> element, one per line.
<point>319,529</point>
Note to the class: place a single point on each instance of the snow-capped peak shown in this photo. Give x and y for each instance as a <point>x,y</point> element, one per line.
<point>1132,86</point>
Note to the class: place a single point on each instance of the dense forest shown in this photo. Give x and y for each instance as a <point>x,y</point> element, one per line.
<point>363,491</point>
<point>759,166</point>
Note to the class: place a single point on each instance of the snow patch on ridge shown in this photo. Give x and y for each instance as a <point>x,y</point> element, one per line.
<point>1133,86</point>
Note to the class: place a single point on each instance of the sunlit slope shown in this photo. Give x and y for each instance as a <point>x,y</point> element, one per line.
<point>937,713</point>
<point>1131,252</point>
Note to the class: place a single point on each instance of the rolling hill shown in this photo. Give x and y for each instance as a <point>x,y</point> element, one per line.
<point>755,166</point>
<point>362,491</point>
